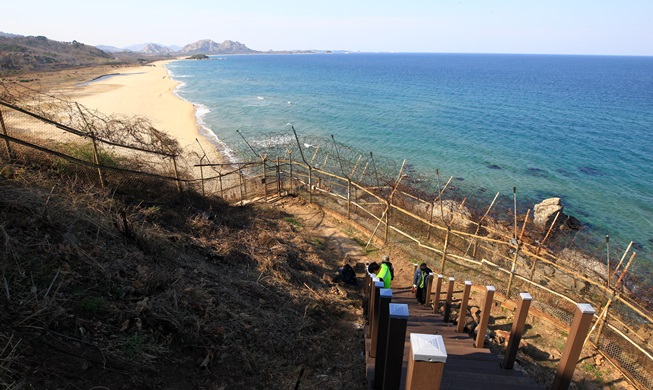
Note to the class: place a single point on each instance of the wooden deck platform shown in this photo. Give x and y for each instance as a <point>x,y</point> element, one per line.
<point>467,367</point>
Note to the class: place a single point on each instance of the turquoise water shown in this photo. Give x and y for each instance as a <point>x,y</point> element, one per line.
<point>577,127</point>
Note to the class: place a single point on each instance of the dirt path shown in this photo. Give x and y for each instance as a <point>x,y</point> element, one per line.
<point>325,228</point>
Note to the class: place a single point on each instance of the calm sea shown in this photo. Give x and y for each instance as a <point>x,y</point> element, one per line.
<point>576,127</point>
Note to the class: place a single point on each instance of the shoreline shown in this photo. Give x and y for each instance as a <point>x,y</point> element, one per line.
<point>146,91</point>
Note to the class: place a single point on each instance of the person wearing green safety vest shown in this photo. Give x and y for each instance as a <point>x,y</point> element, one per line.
<point>419,282</point>
<point>382,272</point>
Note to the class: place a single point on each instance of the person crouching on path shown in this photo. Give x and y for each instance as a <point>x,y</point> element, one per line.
<point>419,282</point>
<point>382,272</point>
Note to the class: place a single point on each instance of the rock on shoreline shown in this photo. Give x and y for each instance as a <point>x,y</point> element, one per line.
<point>546,211</point>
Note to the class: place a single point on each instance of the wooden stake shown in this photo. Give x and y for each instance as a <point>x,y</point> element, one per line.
<point>387,208</point>
<point>625,270</point>
<point>478,227</point>
<point>539,245</point>
<point>623,257</point>
<point>4,131</point>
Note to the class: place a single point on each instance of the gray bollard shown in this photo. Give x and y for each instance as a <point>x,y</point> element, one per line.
<point>385,297</point>
<point>395,352</point>
<point>447,303</point>
<point>485,317</point>
<point>577,334</point>
<point>438,289</point>
<point>517,330</point>
<point>425,362</point>
<point>462,315</point>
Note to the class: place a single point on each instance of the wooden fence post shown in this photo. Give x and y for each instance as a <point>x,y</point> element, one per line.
<point>374,324</point>
<point>485,317</point>
<point>396,340</point>
<point>512,269</point>
<point>426,360</point>
<point>292,184</point>
<point>447,304</point>
<point>310,184</point>
<point>444,250</point>
<point>387,221</point>
<point>436,299</point>
<point>174,165</point>
<point>348,198</point>
<point>579,328</point>
<point>462,315</point>
<point>202,175</point>
<point>429,287</point>
<point>241,187</point>
<point>382,336</point>
<point>221,187</point>
<point>10,154</point>
<point>265,180</point>
<point>96,160</point>
<point>374,296</point>
<point>517,330</point>
<point>279,183</point>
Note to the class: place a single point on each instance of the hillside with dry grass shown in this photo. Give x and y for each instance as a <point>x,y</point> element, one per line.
<point>122,291</point>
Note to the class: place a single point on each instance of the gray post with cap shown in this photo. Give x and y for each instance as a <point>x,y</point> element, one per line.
<point>374,311</point>
<point>577,334</point>
<point>438,289</point>
<point>385,297</point>
<point>462,315</point>
<point>425,362</point>
<point>485,317</point>
<point>396,340</point>
<point>447,303</point>
<point>517,330</point>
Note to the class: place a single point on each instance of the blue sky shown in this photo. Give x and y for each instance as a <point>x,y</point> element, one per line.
<point>613,27</point>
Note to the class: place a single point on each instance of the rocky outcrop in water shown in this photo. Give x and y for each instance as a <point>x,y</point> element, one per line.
<point>545,213</point>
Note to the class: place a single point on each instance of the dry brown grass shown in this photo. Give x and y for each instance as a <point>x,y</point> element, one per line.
<point>122,291</point>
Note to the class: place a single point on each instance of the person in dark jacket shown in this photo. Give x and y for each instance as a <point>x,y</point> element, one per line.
<point>346,273</point>
<point>419,283</point>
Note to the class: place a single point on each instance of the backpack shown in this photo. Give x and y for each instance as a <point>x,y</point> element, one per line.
<point>348,274</point>
<point>392,270</point>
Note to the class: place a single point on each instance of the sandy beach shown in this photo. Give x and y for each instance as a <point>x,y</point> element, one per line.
<point>146,91</point>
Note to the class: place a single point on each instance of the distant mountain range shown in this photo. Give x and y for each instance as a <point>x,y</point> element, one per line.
<point>204,46</point>
<point>19,54</point>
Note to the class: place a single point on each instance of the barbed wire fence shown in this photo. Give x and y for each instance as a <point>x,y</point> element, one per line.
<point>487,239</point>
